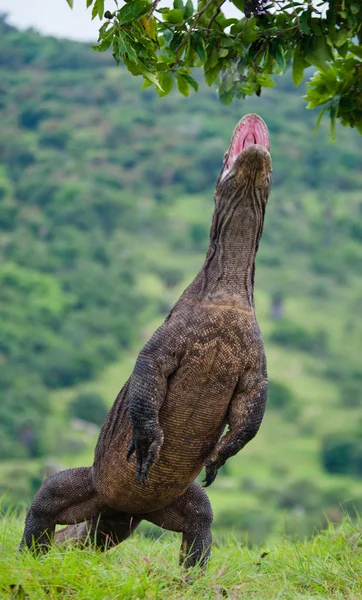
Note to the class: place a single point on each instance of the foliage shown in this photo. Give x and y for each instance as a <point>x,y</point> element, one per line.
<point>351,392</point>
<point>279,395</point>
<point>342,453</point>
<point>21,407</point>
<point>165,44</point>
<point>290,334</point>
<point>89,407</point>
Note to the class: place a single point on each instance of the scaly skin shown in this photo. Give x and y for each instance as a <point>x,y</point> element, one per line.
<point>203,369</point>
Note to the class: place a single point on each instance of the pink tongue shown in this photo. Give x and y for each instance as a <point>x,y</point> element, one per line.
<point>249,140</point>
<point>251,130</point>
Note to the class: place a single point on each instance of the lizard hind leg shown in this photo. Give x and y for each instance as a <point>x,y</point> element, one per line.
<point>64,498</point>
<point>103,532</point>
<point>191,515</point>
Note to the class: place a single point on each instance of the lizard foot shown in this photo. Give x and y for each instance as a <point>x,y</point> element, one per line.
<point>211,470</point>
<point>147,451</point>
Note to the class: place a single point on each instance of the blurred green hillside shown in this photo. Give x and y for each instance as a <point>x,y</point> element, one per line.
<point>106,196</point>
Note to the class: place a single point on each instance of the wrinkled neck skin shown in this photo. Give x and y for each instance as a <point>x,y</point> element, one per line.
<point>237,225</point>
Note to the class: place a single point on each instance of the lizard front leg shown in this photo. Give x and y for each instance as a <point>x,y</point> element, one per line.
<point>245,415</point>
<point>148,388</point>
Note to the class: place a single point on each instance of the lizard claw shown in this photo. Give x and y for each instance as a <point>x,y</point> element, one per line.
<point>131,450</point>
<point>147,453</point>
<point>148,456</point>
<point>210,474</point>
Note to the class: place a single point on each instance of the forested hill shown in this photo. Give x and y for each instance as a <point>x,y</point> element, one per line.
<point>106,195</point>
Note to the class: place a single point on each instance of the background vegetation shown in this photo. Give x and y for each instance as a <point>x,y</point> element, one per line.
<point>105,205</point>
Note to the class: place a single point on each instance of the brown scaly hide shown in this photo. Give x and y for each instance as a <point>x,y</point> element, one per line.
<point>203,369</point>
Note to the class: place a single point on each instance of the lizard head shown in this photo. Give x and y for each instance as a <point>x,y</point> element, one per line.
<point>247,161</point>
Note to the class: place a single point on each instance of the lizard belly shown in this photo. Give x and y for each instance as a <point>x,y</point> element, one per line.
<point>192,417</point>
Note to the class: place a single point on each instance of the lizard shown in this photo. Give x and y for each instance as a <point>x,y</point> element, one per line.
<point>196,396</point>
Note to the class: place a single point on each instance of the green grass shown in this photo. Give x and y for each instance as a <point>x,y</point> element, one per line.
<point>327,567</point>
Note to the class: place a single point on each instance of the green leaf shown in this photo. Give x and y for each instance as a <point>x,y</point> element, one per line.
<point>265,81</point>
<point>70,2</point>
<point>191,81</point>
<point>347,104</point>
<point>250,31</point>
<point>103,30</point>
<point>125,48</point>
<point>176,41</point>
<point>226,97</point>
<point>304,27</point>
<point>319,119</point>
<point>356,50</point>
<point>179,5</point>
<point>183,86</point>
<point>189,9</point>
<point>333,114</point>
<point>89,2</point>
<point>150,26</point>
<point>238,27</point>
<point>304,18</point>
<point>298,66</point>
<point>132,67</point>
<point>228,22</point>
<point>320,53</point>
<point>98,9</point>
<point>174,16</point>
<point>146,84</point>
<point>103,45</point>
<point>279,55</point>
<point>354,8</point>
<point>359,126</point>
<point>168,37</point>
<point>130,12</point>
<point>342,50</point>
<point>212,73</point>
<point>239,4</point>
<point>190,59</point>
<point>198,44</point>
<point>249,89</point>
<point>341,37</point>
<point>152,77</point>
<point>212,60</point>
<point>166,80</point>
<point>227,83</point>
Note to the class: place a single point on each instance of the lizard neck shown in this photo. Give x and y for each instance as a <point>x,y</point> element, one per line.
<point>229,268</point>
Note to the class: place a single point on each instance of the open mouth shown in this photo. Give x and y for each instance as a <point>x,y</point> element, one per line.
<point>250,130</point>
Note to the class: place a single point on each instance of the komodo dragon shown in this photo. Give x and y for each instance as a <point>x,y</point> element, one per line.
<point>203,369</point>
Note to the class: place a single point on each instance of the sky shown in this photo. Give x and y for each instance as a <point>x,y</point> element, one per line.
<point>54,17</point>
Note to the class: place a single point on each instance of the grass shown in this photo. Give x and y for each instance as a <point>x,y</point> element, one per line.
<point>327,567</point>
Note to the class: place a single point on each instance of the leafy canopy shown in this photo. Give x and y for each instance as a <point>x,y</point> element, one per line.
<point>165,44</point>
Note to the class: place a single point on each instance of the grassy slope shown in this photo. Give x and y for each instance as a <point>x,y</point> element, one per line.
<point>327,567</point>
